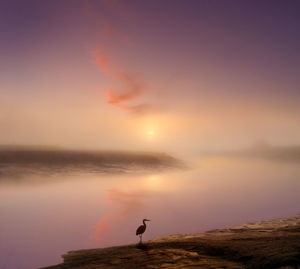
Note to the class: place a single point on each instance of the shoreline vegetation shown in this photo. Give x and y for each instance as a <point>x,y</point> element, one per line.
<point>40,160</point>
<point>266,244</point>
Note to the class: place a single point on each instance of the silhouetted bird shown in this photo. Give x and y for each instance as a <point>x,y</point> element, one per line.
<point>141,230</point>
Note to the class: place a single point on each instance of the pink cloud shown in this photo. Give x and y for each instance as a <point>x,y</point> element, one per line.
<point>125,97</point>
<point>132,89</point>
<point>102,61</point>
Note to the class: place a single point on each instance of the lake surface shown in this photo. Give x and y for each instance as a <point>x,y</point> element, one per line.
<point>42,216</point>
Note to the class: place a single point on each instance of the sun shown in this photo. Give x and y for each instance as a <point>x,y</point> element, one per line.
<point>150,133</point>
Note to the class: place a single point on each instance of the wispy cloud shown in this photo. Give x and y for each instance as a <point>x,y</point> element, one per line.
<point>131,87</point>
<point>102,62</point>
<point>133,90</point>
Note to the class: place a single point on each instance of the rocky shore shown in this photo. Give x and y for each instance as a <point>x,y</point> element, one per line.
<point>267,244</point>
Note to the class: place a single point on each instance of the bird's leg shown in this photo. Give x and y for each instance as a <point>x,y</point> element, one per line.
<point>140,239</point>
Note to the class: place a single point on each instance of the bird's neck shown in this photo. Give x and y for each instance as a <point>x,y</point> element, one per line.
<point>144,223</point>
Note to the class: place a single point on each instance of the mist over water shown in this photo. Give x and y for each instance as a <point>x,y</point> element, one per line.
<point>44,215</point>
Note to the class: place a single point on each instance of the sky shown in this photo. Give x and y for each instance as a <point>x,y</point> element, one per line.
<point>166,75</point>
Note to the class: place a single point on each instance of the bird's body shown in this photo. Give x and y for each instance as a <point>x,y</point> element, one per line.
<point>140,230</point>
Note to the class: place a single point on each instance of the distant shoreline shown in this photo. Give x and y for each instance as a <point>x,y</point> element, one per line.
<point>28,160</point>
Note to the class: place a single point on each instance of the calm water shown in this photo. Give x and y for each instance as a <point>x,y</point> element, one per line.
<point>44,216</point>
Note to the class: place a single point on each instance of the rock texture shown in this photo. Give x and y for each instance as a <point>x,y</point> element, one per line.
<point>268,244</point>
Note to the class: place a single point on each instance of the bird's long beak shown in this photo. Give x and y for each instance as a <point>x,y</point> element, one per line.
<point>147,220</point>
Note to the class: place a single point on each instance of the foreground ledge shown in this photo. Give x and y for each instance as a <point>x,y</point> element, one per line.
<point>268,244</point>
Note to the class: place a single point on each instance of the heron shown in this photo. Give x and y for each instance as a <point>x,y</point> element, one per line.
<point>141,230</point>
